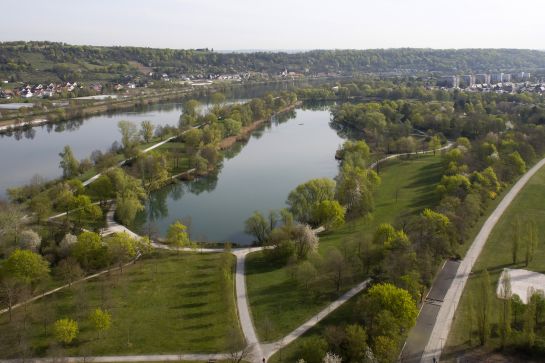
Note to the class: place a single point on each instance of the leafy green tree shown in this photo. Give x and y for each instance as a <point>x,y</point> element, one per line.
<point>101,320</point>
<point>384,235</point>
<point>385,349</point>
<point>356,343</point>
<point>232,127</point>
<point>102,189</point>
<point>258,227</point>
<point>129,136</point>
<point>122,248</point>
<point>530,322</point>
<point>387,297</point>
<point>505,314</point>
<point>65,330</point>
<point>313,349</point>
<point>435,143</point>
<point>306,275</point>
<point>307,196</point>
<point>329,213</point>
<point>89,251</point>
<point>25,266</point>
<point>531,241</point>
<point>41,206</point>
<point>146,130</point>
<point>177,235</point>
<point>336,268</point>
<point>69,164</point>
<point>85,210</point>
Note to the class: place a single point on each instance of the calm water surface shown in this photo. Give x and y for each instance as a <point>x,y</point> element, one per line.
<point>273,162</point>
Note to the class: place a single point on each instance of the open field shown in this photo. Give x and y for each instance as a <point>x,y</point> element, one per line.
<point>496,256</point>
<point>169,303</point>
<point>278,305</point>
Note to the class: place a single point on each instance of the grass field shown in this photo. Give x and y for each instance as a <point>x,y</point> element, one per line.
<point>496,255</point>
<point>278,305</point>
<point>170,303</point>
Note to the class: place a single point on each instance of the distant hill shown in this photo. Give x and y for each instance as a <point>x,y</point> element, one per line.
<point>47,61</point>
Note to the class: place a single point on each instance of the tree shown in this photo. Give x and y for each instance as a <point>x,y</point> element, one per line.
<point>305,240</point>
<point>483,310</point>
<point>307,196</point>
<point>69,270</point>
<point>146,130</point>
<point>89,251</point>
<point>329,213</point>
<point>122,248</point>
<point>313,349</point>
<point>100,320</point>
<point>129,135</point>
<point>505,314</point>
<point>69,164</point>
<point>385,349</point>
<point>529,321</point>
<point>394,300</point>
<point>331,358</point>
<point>531,241</point>
<point>102,189</point>
<point>356,343</point>
<point>305,274</point>
<point>41,206</point>
<point>336,268</point>
<point>65,330</point>
<point>177,235</point>
<point>30,240</point>
<point>232,127</point>
<point>258,227</point>
<point>25,266</point>
<point>384,234</point>
<point>127,206</point>
<point>355,186</point>
<point>435,143</point>
<point>84,209</point>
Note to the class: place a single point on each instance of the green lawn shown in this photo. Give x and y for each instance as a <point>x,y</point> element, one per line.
<point>278,305</point>
<point>496,255</point>
<point>168,303</point>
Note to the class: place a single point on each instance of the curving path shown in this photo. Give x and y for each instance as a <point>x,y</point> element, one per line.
<point>445,316</point>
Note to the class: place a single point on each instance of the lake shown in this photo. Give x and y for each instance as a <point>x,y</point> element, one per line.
<point>273,162</point>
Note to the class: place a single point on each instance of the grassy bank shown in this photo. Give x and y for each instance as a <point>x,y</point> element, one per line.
<point>496,256</point>
<point>168,303</point>
<point>278,305</point>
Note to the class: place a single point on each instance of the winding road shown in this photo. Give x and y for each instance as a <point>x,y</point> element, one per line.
<point>443,322</point>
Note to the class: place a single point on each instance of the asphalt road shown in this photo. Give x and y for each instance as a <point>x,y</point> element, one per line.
<point>420,333</point>
<point>443,322</point>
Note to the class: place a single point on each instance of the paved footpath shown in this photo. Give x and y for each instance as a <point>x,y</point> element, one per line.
<point>446,313</point>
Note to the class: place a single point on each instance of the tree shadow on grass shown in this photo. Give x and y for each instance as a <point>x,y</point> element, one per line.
<point>193,284</point>
<point>197,293</point>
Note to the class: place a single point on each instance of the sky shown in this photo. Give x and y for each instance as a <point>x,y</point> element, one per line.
<point>278,24</point>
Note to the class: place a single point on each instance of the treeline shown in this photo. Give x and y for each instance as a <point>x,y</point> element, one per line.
<point>19,56</point>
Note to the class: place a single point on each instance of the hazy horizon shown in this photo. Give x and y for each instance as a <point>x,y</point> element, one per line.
<point>242,25</point>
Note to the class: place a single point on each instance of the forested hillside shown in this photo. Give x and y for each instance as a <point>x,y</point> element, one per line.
<point>46,61</point>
